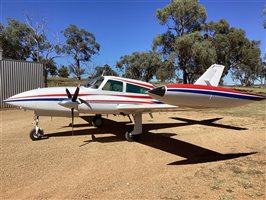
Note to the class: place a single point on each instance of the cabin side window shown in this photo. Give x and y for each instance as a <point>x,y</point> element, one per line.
<point>111,85</point>
<point>136,89</point>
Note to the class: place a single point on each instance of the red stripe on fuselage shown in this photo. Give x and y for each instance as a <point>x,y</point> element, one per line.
<point>119,101</point>
<point>64,95</point>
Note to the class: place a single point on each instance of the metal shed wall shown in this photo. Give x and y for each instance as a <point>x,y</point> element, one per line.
<point>17,77</point>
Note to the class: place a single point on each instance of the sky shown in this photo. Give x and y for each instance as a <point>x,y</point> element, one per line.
<point>122,27</point>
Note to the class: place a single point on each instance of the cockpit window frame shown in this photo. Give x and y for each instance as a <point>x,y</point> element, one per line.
<point>95,83</point>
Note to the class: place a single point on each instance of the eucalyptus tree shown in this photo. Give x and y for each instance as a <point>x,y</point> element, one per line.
<point>105,70</point>
<point>81,45</point>
<point>139,65</point>
<point>14,40</point>
<point>183,20</point>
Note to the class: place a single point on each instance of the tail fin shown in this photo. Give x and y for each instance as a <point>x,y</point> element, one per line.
<point>212,76</point>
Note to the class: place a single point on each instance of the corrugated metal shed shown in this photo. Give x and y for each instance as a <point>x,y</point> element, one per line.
<point>19,76</point>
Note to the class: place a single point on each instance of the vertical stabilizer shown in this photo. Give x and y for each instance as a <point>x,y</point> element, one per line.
<point>212,76</point>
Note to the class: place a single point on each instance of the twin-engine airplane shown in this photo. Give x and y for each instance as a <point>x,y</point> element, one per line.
<point>116,95</point>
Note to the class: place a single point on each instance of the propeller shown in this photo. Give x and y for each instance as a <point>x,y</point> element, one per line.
<point>72,103</point>
<point>85,102</point>
<point>73,99</point>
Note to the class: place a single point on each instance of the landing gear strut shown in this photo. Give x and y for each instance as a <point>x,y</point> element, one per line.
<point>133,136</point>
<point>36,133</point>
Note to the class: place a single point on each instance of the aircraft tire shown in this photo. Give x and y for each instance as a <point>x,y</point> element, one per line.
<point>97,121</point>
<point>34,136</point>
<point>131,138</point>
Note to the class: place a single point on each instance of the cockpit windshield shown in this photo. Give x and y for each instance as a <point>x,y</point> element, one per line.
<point>94,83</point>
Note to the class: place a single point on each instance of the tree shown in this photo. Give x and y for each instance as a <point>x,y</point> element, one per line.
<point>41,48</point>
<point>235,51</point>
<point>81,45</point>
<point>63,72</point>
<point>197,44</point>
<point>52,68</point>
<point>105,70</point>
<point>166,71</point>
<point>139,65</point>
<point>181,18</point>
<point>22,41</point>
<point>14,40</point>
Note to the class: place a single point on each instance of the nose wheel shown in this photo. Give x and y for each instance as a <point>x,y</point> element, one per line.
<point>36,133</point>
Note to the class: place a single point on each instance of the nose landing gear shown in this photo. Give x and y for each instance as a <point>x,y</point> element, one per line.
<point>36,133</point>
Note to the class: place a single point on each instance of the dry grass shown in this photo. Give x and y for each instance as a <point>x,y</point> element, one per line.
<point>60,82</point>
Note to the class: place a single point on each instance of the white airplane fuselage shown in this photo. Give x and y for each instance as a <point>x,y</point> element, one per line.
<point>46,101</point>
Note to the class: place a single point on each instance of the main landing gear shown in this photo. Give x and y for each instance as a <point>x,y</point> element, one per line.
<point>36,133</point>
<point>131,135</point>
<point>134,135</point>
<point>97,121</point>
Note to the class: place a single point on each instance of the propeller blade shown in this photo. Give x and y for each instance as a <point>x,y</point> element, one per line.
<point>85,102</point>
<point>68,94</point>
<point>75,95</point>
<point>72,116</point>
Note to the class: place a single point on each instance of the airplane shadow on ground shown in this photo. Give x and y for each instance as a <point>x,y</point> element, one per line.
<point>193,154</point>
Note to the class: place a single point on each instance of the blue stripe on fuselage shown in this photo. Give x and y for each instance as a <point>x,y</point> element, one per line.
<point>42,99</point>
<point>217,93</point>
<point>61,99</point>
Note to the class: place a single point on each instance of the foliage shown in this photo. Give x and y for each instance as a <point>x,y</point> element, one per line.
<point>232,47</point>
<point>182,17</point>
<point>81,46</point>
<point>52,68</point>
<point>63,72</point>
<point>197,44</point>
<point>14,40</point>
<point>139,65</point>
<point>77,71</point>
<point>183,20</point>
<point>166,71</point>
<point>22,41</point>
<point>250,67</point>
<point>105,70</point>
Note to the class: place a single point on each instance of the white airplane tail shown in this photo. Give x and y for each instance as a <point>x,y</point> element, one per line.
<point>212,76</point>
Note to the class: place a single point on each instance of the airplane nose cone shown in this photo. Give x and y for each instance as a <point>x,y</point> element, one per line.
<point>159,91</point>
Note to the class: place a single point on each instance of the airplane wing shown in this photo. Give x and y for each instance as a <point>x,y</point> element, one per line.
<point>143,108</point>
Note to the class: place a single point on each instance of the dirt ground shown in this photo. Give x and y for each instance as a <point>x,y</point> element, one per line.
<point>181,155</point>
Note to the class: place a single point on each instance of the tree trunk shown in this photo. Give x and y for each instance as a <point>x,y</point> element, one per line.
<point>183,67</point>
<point>78,72</point>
